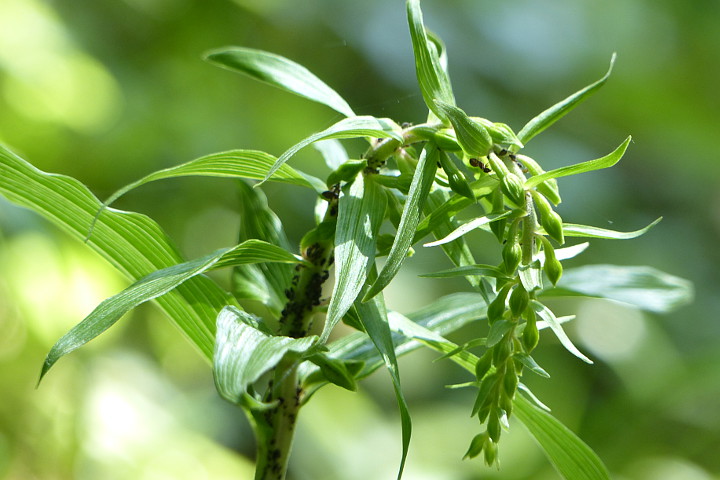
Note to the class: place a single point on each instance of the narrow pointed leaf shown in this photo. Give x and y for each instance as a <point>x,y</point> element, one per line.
<point>572,458</point>
<point>332,152</point>
<point>434,82</point>
<point>642,287</point>
<point>360,213</point>
<point>467,270</point>
<point>559,110</point>
<point>419,189</point>
<point>473,224</point>
<point>249,164</point>
<point>265,282</point>
<point>603,162</point>
<point>131,242</point>
<point>548,316</point>
<point>156,284</point>
<point>374,318</point>
<point>243,352</point>
<point>566,253</point>
<point>473,137</point>
<point>279,72</point>
<point>574,230</point>
<point>353,127</point>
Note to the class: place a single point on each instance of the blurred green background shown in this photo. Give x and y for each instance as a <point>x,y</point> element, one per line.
<point>109,90</point>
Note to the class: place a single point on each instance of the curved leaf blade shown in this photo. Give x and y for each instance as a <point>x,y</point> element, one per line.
<point>562,108</point>
<point>243,352</point>
<point>132,243</point>
<point>642,287</point>
<point>572,458</point>
<point>549,317</point>
<point>279,72</point>
<point>603,162</point>
<point>575,230</point>
<point>156,284</point>
<point>353,127</point>
<point>375,320</point>
<point>434,82</point>
<point>419,189</point>
<point>473,224</point>
<point>360,213</point>
<point>472,136</point>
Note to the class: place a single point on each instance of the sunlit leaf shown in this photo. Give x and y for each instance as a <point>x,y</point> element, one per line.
<point>360,213</point>
<point>574,230</point>
<point>560,109</point>
<point>572,458</point>
<point>353,127</point>
<point>332,152</point>
<point>265,282</point>
<point>279,72</point>
<point>473,224</point>
<point>156,284</point>
<point>419,189</point>
<point>603,162</point>
<point>374,318</point>
<point>131,242</point>
<point>244,351</point>
<point>549,317</point>
<point>433,81</point>
<point>642,287</point>
<point>465,270</point>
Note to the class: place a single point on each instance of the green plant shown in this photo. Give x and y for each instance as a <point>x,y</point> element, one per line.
<point>414,178</point>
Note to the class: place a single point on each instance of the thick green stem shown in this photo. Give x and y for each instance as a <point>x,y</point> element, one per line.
<point>275,427</point>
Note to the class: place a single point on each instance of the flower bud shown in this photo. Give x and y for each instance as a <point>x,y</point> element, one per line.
<point>483,365</point>
<point>457,181</point>
<point>553,268</point>
<point>476,445</point>
<point>446,140</point>
<point>512,187</point>
<point>530,335</point>
<point>519,299</point>
<point>511,254</point>
<point>510,382</point>
<point>498,206</point>
<point>493,425</point>
<point>549,219</point>
<point>496,309</point>
<point>490,452</point>
<point>501,352</point>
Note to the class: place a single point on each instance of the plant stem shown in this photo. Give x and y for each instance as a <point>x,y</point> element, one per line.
<point>275,427</point>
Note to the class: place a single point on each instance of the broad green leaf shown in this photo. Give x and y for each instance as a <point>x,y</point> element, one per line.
<point>473,137</point>
<point>279,72</point>
<point>244,352</point>
<point>559,110</point>
<point>642,287</point>
<point>572,458</point>
<point>603,162</point>
<point>353,127</point>
<point>156,284</point>
<point>468,270</point>
<point>419,189</point>
<point>360,213</point>
<point>473,224</point>
<point>434,82</point>
<point>574,230</point>
<point>374,318</point>
<point>131,242</point>
<point>549,317</point>
<point>264,282</point>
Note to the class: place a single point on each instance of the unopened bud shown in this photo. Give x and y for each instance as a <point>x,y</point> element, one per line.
<point>493,425</point>
<point>512,187</point>
<point>549,219</point>
<point>483,365</point>
<point>446,140</point>
<point>511,254</point>
<point>476,445</point>
<point>490,452</point>
<point>501,352</point>
<point>457,181</point>
<point>553,268</point>
<point>530,335</point>
<point>519,299</point>
<point>496,309</point>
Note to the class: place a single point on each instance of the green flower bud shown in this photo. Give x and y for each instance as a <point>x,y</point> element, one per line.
<point>501,352</point>
<point>512,187</point>
<point>483,365</point>
<point>457,181</point>
<point>549,219</point>
<point>493,425</point>
<point>490,452</point>
<point>530,335</point>
<point>496,309</point>
<point>485,394</point>
<point>506,403</point>
<point>498,206</point>
<point>476,445</point>
<point>511,254</point>
<point>510,382</point>
<point>519,299</point>
<point>553,268</point>
<point>484,412</point>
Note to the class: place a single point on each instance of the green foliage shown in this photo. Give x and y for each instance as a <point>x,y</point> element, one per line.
<point>271,366</point>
